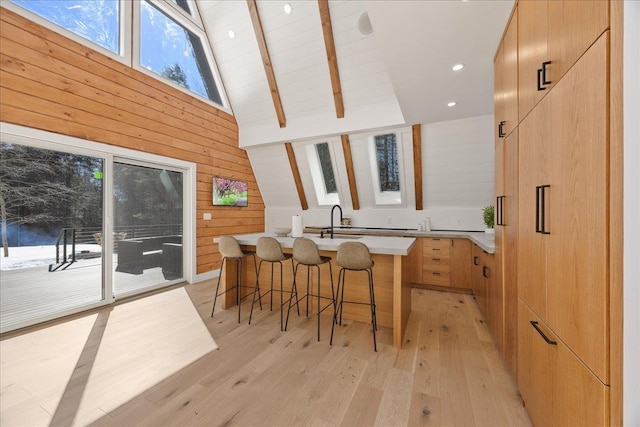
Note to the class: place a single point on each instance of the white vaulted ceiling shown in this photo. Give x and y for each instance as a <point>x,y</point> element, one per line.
<point>400,74</point>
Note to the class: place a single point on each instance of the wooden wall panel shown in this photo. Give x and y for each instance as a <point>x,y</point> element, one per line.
<point>52,83</point>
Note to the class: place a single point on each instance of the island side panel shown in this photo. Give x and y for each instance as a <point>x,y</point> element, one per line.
<point>402,279</point>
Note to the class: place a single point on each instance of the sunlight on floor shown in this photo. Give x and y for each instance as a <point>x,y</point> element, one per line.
<point>75,372</point>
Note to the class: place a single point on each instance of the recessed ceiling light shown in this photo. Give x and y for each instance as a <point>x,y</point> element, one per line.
<point>287,8</point>
<point>451,104</point>
<point>457,67</point>
<point>232,34</point>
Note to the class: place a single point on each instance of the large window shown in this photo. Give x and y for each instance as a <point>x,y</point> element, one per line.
<point>173,52</point>
<point>97,20</point>
<point>385,155</point>
<point>165,39</point>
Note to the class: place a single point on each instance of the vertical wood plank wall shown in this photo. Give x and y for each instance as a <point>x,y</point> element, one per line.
<point>50,82</point>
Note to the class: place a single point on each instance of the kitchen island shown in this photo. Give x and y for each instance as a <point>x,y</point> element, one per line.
<point>393,257</point>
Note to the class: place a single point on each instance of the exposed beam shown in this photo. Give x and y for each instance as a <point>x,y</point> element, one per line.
<point>330,46</point>
<point>417,164</point>
<point>346,148</point>
<point>266,61</point>
<point>296,176</point>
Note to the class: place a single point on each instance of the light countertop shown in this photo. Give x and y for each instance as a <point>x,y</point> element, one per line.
<point>485,241</point>
<point>377,244</point>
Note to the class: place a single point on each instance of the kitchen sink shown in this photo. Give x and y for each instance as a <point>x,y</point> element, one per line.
<point>344,237</point>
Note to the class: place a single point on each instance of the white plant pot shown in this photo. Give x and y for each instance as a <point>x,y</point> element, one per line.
<point>490,231</point>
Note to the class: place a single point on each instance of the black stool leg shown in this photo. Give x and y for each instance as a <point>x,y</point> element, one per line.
<point>374,321</point>
<point>256,291</point>
<point>215,299</point>
<point>336,307</point>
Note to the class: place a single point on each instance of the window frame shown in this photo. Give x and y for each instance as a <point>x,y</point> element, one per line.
<point>386,198</point>
<point>130,40</point>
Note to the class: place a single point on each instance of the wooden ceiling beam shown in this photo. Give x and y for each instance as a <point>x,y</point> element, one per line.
<point>327,31</point>
<point>417,164</point>
<point>296,176</point>
<point>266,61</point>
<point>346,148</point>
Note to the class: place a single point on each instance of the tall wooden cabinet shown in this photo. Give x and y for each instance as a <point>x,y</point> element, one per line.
<point>553,198</point>
<point>503,296</point>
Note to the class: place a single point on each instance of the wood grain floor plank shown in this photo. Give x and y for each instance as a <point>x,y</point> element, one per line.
<point>449,374</point>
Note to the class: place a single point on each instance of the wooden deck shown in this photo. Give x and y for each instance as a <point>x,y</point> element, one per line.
<point>136,371</point>
<point>35,293</point>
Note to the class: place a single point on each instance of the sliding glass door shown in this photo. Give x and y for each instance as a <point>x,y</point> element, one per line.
<point>51,206</point>
<point>84,224</point>
<point>148,226</point>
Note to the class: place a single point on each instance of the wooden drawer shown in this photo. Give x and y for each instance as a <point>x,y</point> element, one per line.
<point>429,252</point>
<point>432,277</point>
<point>436,242</point>
<point>436,263</point>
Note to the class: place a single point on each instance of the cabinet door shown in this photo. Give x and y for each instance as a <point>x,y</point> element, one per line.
<point>572,27</point>
<point>533,170</point>
<point>577,256</point>
<point>532,52</point>
<point>536,360</point>
<point>498,94</point>
<point>461,263</point>
<point>478,282</point>
<point>510,76</point>
<point>495,299</point>
<point>510,250</point>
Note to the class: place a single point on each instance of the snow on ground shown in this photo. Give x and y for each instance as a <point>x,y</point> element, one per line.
<point>34,256</point>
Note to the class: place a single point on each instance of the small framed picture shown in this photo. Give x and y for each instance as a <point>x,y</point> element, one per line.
<point>230,192</point>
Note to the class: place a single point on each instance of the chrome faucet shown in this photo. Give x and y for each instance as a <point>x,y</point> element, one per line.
<point>340,209</point>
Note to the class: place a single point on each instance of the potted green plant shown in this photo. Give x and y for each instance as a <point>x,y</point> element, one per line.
<point>488,218</point>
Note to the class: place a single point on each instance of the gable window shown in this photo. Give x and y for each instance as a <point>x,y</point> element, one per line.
<point>384,155</point>
<point>321,165</point>
<point>174,52</point>
<point>97,21</point>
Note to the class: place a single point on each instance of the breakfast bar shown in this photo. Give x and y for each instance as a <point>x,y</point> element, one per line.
<point>393,257</point>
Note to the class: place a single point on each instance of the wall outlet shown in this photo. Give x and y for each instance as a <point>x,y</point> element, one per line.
<point>207,216</point>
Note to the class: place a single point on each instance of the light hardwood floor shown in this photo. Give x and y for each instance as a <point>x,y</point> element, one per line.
<point>447,373</point>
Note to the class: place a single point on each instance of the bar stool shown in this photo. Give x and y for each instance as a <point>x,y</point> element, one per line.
<point>355,256</point>
<point>269,250</point>
<point>230,249</point>
<point>306,253</point>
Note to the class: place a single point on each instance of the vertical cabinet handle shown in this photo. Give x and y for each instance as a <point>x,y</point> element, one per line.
<point>501,133</point>
<point>500,210</point>
<point>475,260</point>
<point>485,270</point>
<point>540,86</point>
<point>542,76</point>
<point>544,73</point>
<point>535,325</point>
<point>541,201</point>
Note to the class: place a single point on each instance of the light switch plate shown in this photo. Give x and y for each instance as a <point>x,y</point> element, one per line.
<point>207,216</point>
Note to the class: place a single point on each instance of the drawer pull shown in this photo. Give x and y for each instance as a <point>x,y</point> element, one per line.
<point>535,325</point>
<point>436,259</point>
<point>435,249</point>
<point>435,273</point>
<point>435,239</point>
<point>484,271</point>
<point>475,260</point>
